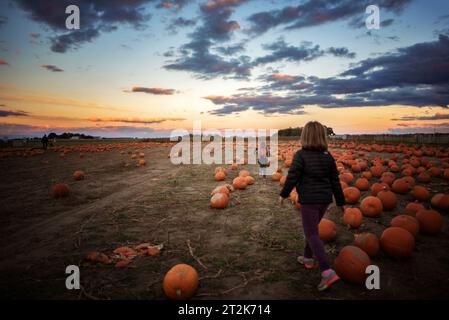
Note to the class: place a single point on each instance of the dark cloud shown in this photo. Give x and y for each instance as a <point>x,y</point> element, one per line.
<point>413,129</point>
<point>316,12</point>
<point>341,52</point>
<point>3,20</point>
<point>155,91</point>
<point>181,23</point>
<point>417,75</point>
<point>197,56</point>
<point>307,51</point>
<point>97,16</point>
<point>12,113</point>
<point>52,68</point>
<point>435,117</point>
<point>231,50</point>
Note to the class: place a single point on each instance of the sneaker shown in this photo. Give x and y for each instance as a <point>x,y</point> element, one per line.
<point>308,263</point>
<point>328,277</point>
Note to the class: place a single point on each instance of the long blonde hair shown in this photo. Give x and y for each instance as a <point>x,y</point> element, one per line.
<point>314,136</point>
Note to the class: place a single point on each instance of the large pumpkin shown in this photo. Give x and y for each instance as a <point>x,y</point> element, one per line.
<point>249,180</point>
<point>397,242</point>
<point>352,195</point>
<point>389,200</point>
<point>219,200</point>
<point>351,264</point>
<point>60,190</point>
<point>371,207</point>
<point>239,183</point>
<point>420,193</point>
<point>378,187</point>
<point>353,217</point>
<point>368,242</point>
<point>406,222</point>
<point>412,208</point>
<point>400,186</point>
<point>362,184</point>
<point>327,230</point>
<point>180,282</point>
<point>430,222</point>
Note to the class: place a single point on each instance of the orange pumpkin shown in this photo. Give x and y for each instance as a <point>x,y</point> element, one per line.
<point>371,207</point>
<point>430,222</point>
<point>219,200</point>
<point>378,187</point>
<point>435,202</point>
<point>244,173</point>
<point>180,282</point>
<point>443,204</point>
<point>249,180</point>
<point>346,177</point>
<point>362,184</point>
<point>353,217</point>
<point>420,193</point>
<point>400,186</point>
<point>389,200</point>
<point>78,175</point>
<point>220,176</point>
<point>142,162</point>
<point>220,189</point>
<point>327,230</point>
<point>377,171</point>
<point>397,242</point>
<point>60,190</point>
<point>368,242</point>
<point>406,222</point>
<point>351,264</point>
<point>276,176</point>
<point>352,195</point>
<point>282,181</point>
<point>412,208</point>
<point>239,183</point>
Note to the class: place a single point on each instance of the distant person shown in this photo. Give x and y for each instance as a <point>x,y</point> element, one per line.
<point>262,158</point>
<point>44,141</point>
<point>314,174</point>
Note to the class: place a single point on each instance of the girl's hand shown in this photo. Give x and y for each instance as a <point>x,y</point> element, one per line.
<point>281,201</point>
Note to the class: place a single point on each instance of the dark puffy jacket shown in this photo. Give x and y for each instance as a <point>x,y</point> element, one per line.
<point>315,175</point>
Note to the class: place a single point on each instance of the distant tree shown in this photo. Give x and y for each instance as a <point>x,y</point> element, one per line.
<point>52,135</point>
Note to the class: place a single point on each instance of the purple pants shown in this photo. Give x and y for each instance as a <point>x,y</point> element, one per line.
<point>311,216</point>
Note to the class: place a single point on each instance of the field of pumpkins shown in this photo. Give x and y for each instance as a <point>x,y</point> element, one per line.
<point>140,227</point>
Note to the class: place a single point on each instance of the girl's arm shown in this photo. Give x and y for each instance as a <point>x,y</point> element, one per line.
<point>293,175</point>
<point>335,183</point>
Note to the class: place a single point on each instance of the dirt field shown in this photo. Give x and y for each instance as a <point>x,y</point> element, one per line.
<point>248,250</point>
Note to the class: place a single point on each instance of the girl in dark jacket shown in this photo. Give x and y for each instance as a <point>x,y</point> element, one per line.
<point>314,174</point>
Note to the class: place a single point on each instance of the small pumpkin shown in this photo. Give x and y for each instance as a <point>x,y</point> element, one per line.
<point>368,242</point>
<point>352,195</point>
<point>420,193</point>
<point>353,217</point>
<point>219,200</point>
<point>180,282</point>
<point>371,207</point>
<point>389,200</point>
<point>327,230</point>
<point>60,190</point>
<point>78,175</point>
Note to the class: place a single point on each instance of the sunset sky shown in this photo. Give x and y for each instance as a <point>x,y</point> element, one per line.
<point>141,68</point>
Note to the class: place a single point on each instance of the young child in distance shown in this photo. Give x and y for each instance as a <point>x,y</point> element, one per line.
<point>314,174</point>
<point>262,158</point>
